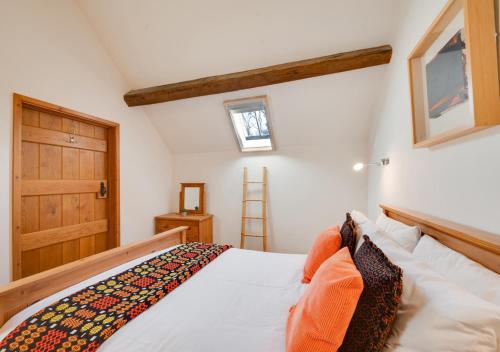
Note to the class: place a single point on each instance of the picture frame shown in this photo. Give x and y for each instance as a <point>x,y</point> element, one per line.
<point>454,74</point>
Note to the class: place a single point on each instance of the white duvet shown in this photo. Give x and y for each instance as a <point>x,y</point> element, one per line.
<point>238,302</point>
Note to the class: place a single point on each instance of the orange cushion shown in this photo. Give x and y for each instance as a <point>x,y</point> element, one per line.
<point>326,244</point>
<point>319,321</point>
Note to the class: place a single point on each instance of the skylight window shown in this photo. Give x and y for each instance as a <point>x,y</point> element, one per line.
<point>252,127</point>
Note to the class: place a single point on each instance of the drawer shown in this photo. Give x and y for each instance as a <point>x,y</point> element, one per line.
<point>192,238</point>
<point>162,226</point>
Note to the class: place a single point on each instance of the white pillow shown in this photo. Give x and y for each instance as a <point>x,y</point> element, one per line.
<point>459,269</point>
<point>435,314</point>
<point>364,226</point>
<point>406,236</point>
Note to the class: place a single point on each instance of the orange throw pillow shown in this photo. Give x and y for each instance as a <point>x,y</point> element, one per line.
<point>319,321</point>
<point>326,244</point>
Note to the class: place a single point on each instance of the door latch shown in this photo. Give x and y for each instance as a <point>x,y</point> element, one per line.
<point>103,192</point>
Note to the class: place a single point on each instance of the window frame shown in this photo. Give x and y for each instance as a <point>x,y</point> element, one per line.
<point>258,99</point>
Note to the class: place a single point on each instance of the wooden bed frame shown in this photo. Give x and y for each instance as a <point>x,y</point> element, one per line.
<point>19,294</point>
<point>478,245</point>
<point>481,246</point>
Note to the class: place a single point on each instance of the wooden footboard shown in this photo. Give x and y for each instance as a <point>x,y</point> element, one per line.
<point>19,294</point>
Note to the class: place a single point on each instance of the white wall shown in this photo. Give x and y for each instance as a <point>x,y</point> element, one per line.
<point>321,125</point>
<point>310,189</point>
<point>50,52</point>
<point>458,181</point>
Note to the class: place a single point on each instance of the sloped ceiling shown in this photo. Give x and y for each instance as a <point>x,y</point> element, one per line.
<point>166,41</point>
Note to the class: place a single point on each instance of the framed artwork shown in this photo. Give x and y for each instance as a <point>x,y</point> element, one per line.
<point>497,12</point>
<point>453,71</point>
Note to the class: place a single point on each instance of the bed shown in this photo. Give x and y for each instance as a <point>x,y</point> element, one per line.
<point>240,301</point>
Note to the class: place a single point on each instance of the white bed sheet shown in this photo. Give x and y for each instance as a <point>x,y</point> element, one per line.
<point>238,302</point>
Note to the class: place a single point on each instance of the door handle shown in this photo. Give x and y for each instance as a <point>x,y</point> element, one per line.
<point>103,192</point>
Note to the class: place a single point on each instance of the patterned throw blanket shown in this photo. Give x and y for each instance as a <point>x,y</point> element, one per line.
<point>84,320</point>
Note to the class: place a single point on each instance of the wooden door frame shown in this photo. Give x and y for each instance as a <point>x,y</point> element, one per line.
<point>20,101</point>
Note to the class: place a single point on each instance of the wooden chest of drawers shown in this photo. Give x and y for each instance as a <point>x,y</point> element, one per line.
<point>200,226</point>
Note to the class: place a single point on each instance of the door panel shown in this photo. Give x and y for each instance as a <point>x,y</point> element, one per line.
<point>50,218</point>
<point>50,162</point>
<point>70,163</point>
<point>30,210</point>
<point>63,162</point>
<point>31,162</point>
<point>50,122</point>
<point>71,216</point>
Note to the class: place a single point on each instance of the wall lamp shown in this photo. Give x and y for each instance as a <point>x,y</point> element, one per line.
<point>360,166</point>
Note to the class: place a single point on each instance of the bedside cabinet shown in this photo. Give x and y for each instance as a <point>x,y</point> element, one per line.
<point>200,226</point>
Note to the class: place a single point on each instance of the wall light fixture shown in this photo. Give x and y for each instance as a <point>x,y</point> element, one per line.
<point>360,166</point>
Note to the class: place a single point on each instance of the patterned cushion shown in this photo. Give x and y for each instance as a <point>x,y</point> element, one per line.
<point>378,305</point>
<point>348,233</point>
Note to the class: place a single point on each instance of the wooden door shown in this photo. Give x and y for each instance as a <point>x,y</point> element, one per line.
<point>63,160</point>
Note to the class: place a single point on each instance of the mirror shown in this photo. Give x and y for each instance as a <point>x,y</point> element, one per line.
<point>192,198</point>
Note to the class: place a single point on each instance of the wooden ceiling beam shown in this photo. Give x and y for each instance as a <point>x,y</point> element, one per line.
<point>291,71</point>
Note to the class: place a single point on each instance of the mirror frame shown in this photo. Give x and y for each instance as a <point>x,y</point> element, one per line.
<point>201,208</point>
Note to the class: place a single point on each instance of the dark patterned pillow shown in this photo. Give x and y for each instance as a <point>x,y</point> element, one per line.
<point>348,233</point>
<point>378,305</point>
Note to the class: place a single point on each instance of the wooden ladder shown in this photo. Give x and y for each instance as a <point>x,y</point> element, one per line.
<point>244,215</point>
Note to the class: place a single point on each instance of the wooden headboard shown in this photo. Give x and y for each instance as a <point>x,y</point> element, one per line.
<point>480,246</point>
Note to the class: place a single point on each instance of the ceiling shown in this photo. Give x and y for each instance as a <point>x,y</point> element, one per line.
<point>166,41</point>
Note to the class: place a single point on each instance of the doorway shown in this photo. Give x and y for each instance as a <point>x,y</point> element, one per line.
<point>65,195</point>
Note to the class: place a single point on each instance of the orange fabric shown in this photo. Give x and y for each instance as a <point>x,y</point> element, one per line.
<point>320,319</point>
<point>326,244</point>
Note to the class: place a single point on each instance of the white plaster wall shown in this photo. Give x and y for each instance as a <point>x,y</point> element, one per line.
<point>50,52</point>
<point>459,180</point>
<point>309,189</point>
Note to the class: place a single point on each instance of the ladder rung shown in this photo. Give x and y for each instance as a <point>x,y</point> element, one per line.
<point>262,183</point>
<point>254,200</point>
<point>252,235</point>
<point>253,217</point>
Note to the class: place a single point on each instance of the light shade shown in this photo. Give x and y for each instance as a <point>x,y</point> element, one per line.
<point>358,167</point>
